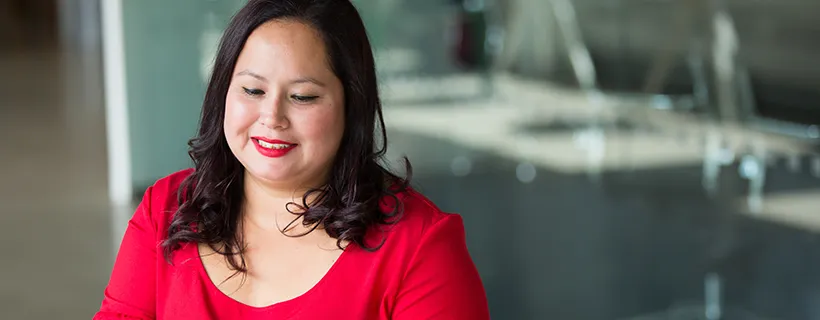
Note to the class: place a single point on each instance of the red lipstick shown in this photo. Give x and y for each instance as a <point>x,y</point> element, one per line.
<point>272,148</point>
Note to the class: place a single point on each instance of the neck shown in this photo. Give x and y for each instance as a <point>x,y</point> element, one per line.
<point>266,206</point>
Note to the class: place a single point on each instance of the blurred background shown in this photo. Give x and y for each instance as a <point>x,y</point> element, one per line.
<point>612,159</point>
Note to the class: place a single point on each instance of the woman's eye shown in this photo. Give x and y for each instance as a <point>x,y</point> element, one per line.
<point>253,92</point>
<point>303,99</point>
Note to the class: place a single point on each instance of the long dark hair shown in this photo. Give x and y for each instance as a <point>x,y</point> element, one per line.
<point>349,204</point>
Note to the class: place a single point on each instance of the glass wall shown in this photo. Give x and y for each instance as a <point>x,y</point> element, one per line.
<point>169,48</point>
<point>624,159</point>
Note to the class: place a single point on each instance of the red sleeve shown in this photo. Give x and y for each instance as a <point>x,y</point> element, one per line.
<point>442,281</point>
<point>131,291</point>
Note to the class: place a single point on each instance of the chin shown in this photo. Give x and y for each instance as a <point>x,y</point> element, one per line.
<point>265,173</point>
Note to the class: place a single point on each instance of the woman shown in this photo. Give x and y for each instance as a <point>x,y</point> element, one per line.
<point>287,213</point>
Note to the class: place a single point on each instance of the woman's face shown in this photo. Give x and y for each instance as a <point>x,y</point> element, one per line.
<point>284,111</point>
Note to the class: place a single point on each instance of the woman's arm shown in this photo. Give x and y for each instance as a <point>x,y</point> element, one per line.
<point>442,281</point>
<point>131,291</point>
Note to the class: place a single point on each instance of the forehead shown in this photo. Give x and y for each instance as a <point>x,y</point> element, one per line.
<point>284,44</point>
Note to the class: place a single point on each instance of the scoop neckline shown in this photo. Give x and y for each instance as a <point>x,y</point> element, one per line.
<point>281,304</point>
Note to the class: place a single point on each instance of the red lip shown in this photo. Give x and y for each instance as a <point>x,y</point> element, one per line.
<point>272,153</point>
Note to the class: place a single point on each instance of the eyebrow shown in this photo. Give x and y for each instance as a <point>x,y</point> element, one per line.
<point>263,79</point>
<point>252,74</point>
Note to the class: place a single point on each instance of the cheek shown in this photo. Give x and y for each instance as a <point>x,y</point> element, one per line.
<point>326,127</point>
<point>239,116</point>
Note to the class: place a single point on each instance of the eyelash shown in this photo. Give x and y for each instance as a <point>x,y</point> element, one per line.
<point>298,98</point>
<point>253,92</point>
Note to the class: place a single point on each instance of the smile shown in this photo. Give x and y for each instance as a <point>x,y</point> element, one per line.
<point>272,148</point>
<point>273,145</point>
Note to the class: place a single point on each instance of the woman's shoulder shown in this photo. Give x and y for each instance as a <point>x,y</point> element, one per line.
<point>160,200</point>
<point>171,182</point>
<point>419,209</point>
<point>421,217</point>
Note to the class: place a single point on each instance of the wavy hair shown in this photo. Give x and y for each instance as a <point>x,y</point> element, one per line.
<point>349,204</point>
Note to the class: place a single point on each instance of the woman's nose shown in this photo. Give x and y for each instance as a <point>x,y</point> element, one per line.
<point>274,116</point>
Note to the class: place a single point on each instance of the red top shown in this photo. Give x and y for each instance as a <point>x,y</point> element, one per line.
<point>423,271</point>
